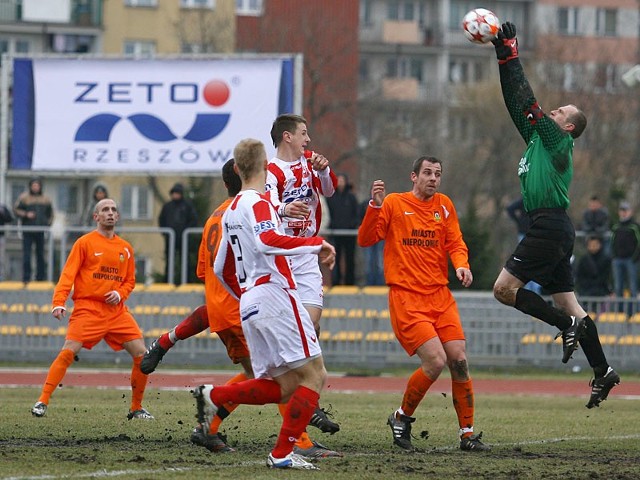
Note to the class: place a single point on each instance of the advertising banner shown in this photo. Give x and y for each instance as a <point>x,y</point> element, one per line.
<point>177,115</point>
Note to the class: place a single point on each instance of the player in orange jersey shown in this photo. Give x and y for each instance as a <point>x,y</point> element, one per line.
<point>101,270</point>
<point>421,233</point>
<point>220,314</point>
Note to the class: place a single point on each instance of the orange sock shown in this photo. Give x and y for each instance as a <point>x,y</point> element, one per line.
<point>225,410</point>
<point>57,370</point>
<point>462,393</point>
<point>303,440</point>
<point>416,389</point>
<point>138,384</point>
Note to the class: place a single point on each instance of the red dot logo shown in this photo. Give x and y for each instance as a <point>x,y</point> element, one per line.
<point>216,93</point>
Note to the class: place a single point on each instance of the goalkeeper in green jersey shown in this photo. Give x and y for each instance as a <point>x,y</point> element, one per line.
<point>543,255</point>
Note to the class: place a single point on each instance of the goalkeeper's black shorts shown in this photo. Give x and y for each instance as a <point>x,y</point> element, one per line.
<point>544,254</point>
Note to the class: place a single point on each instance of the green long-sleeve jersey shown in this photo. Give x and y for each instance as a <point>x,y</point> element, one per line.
<point>546,167</point>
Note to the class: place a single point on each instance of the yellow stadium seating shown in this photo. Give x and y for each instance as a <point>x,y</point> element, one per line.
<point>348,336</point>
<point>344,290</point>
<point>190,288</point>
<point>10,285</point>
<point>608,339</point>
<point>40,286</point>
<point>160,288</point>
<point>11,330</point>
<point>380,336</point>
<point>612,317</point>
<point>375,290</point>
<point>635,318</point>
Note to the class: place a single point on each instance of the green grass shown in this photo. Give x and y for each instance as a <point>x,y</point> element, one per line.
<point>86,434</point>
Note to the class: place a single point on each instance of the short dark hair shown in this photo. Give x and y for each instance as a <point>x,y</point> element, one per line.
<point>417,164</point>
<point>579,120</point>
<point>230,178</point>
<point>287,122</point>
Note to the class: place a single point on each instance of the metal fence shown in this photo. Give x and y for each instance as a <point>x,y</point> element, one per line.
<point>355,329</point>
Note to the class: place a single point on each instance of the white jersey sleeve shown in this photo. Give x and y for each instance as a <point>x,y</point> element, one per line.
<point>252,240</point>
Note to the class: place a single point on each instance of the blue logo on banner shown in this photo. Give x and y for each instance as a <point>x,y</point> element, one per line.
<point>206,126</point>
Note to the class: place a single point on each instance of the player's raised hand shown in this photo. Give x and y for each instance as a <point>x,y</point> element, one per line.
<point>377,192</point>
<point>506,43</point>
<point>319,162</point>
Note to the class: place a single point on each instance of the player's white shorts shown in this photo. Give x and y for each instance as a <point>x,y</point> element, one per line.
<point>308,277</point>
<point>278,330</point>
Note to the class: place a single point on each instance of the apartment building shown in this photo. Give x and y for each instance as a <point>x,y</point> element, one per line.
<point>139,29</point>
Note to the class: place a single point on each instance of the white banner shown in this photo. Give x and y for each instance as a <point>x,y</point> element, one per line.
<point>150,115</point>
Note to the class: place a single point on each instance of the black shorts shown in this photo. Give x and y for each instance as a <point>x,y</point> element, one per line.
<point>544,254</point>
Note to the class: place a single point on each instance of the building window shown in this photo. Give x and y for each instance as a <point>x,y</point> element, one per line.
<point>457,11</point>
<point>606,20</point>
<point>605,77</point>
<point>404,67</point>
<point>568,20</point>
<point>365,12</point>
<point>210,4</point>
<point>400,10</point>
<point>249,7</point>
<point>139,48</point>
<point>458,72</point>
<point>22,46</point>
<point>135,203</point>
<point>141,3</point>
<point>363,70</point>
<point>68,200</point>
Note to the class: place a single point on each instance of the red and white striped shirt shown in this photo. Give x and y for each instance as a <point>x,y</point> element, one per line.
<point>291,181</point>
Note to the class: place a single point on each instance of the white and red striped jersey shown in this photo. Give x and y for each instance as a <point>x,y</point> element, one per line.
<point>290,181</point>
<point>252,250</point>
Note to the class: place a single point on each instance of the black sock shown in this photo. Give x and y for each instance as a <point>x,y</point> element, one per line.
<point>533,304</point>
<point>592,348</point>
<point>222,413</point>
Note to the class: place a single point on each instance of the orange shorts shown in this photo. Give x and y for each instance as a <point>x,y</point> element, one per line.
<point>92,321</point>
<point>233,339</point>
<point>418,317</point>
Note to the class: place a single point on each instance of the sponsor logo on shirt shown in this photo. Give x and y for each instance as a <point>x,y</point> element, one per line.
<point>264,226</point>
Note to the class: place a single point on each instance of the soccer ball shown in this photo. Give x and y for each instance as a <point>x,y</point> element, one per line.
<point>480,25</point>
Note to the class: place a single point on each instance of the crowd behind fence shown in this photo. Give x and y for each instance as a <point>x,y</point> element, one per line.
<point>356,333</point>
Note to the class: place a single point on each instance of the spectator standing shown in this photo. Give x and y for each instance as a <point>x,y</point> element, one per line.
<point>596,221</point>
<point>100,192</point>
<point>519,215</point>
<point>343,211</point>
<point>177,214</point>
<point>422,234</point>
<point>373,260</point>
<point>5,219</point>
<point>593,270</point>
<point>625,251</point>
<point>101,271</point>
<point>34,209</point>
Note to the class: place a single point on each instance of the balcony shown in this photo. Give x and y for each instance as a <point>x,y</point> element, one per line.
<point>396,31</point>
<point>82,13</point>
<point>403,89</point>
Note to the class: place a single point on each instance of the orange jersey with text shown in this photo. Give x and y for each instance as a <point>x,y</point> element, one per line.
<point>223,310</point>
<point>420,237</point>
<point>96,265</point>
